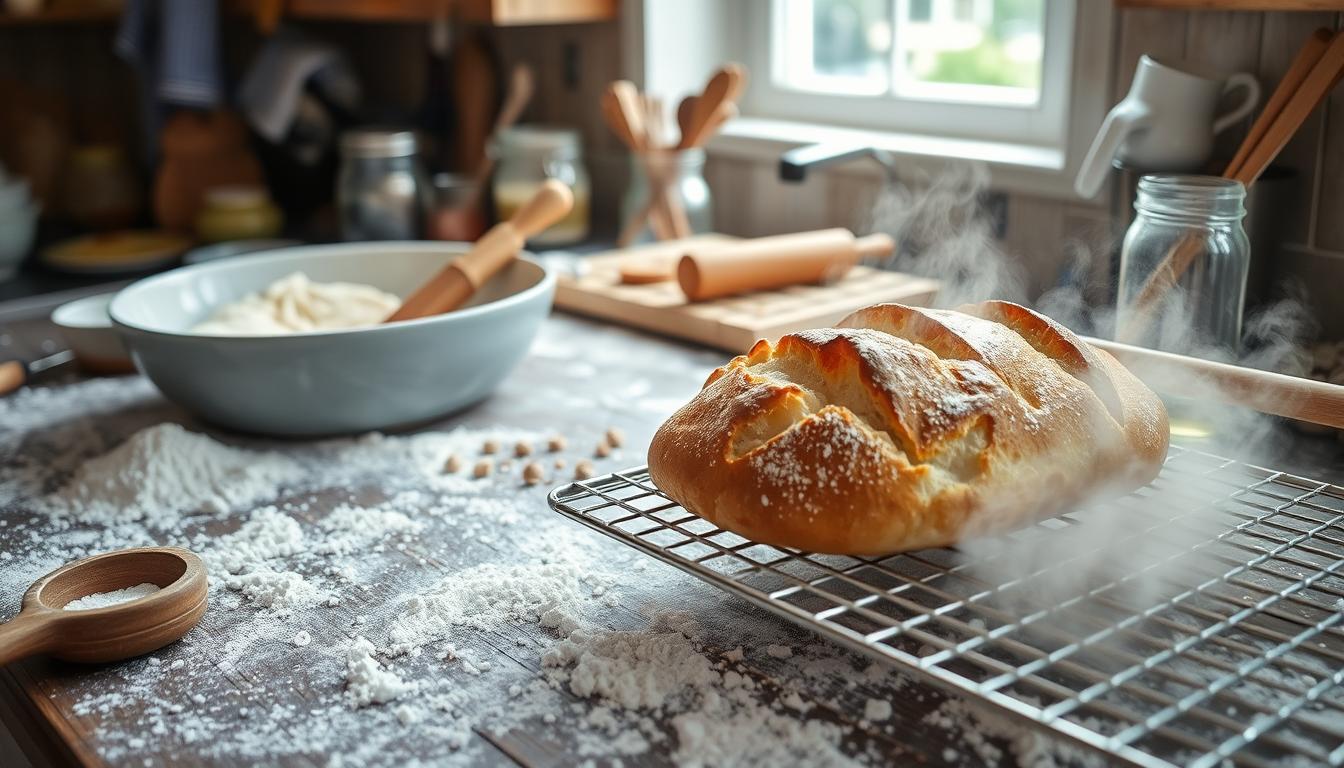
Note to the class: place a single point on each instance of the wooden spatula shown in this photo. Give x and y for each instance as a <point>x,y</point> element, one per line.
<point>454,285</point>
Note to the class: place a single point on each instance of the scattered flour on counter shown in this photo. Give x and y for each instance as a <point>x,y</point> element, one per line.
<point>488,596</point>
<point>267,534</point>
<point>367,682</point>
<point>278,590</point>
<point>977,727</point>
<point>164,472</point>
<point>115,597</point>
<point>348,529</point>
<point>422,672</point>
<point>876,710</point>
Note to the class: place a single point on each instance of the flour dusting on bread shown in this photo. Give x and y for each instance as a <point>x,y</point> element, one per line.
<point>907,428</point>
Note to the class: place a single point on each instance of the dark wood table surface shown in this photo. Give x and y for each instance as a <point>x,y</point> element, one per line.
<point>581,378</point>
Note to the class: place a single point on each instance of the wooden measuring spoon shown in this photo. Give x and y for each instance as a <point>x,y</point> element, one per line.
<point>116,632</point>
<point>453,286</point>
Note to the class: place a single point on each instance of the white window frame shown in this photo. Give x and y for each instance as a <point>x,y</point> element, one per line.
<point>671,46</point>
<point>1042,122</point>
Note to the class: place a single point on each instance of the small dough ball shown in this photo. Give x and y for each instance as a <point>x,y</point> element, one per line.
<point>584,470</point>
<point>603,450</point>
<point>559,463</point>
<point>556,443</point>
<point>532,473</point>
<point>522,448</point>
<point>453,464</point>
<point>490,446</point>
<point>505,465</point>
<point>615,437</point>
<point>483,468</point>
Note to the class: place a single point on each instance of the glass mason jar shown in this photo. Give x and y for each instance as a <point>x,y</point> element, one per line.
<point>528,155</point>
<point>1185,220</point>
<point>381,191</point>
<point>684,172</point>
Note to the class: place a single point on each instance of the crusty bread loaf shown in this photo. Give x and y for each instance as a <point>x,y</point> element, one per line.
<point>907,428</point>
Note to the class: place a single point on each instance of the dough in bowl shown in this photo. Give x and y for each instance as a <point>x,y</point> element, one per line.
<point>906,428</point>
<point>295,304</point>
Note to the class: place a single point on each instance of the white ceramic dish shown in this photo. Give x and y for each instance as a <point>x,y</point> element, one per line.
<point>331,382</point>
<point>18,227</point>
<point>87,329</point>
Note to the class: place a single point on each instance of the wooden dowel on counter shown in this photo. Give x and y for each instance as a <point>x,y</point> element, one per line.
<point>1273,393</point>
<point>774,262</point>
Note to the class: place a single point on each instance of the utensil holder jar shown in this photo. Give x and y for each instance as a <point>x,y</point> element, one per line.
<point>683,173</point>
<point>1205,309</point>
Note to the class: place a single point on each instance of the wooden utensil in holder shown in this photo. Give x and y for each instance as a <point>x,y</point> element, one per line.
<point>1315,71</point>
<point>639,120</point>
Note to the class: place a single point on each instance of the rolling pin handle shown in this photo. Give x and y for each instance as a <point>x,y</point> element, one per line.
<point>13,375</point>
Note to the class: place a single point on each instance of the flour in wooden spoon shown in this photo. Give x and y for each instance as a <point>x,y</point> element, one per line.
<point>114,597</point>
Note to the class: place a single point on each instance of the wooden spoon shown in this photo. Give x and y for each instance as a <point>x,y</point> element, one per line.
<point>116,632</point>
<point>453,286</point>
<point>522,84</point>
<point>686,118</point>
<point>724,87</point>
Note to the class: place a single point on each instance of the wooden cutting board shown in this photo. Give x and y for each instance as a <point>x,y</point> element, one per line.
<point>733,323</point>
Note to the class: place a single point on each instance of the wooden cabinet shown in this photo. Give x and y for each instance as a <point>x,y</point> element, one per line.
<point>1236,5</point>
<point>521,12</point>
<point>495,12</point>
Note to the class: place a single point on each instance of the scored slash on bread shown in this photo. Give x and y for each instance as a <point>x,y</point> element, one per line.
<point>906,428</point>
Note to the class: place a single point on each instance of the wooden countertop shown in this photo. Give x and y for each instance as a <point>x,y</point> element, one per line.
<point>580,378</point>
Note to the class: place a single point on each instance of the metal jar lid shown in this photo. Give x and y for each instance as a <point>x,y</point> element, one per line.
<point>377,142</point>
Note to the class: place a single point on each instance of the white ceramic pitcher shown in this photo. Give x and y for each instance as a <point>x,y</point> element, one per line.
<point>1165,123</point>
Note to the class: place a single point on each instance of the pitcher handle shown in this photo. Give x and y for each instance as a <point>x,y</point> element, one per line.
<point>1252,86</point>
<point>1122,121</point>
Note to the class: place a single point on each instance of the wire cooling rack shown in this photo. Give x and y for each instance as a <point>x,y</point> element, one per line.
<point>1197,620</point>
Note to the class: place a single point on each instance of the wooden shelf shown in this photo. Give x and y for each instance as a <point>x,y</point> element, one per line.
<point>524,12</point>
<point>1236,5</point>
<point>494,12</point>
<point>63,14</point>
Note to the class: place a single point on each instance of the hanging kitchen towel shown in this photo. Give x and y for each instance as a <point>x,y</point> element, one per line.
<point>272,90</point>
<point>174,47</point>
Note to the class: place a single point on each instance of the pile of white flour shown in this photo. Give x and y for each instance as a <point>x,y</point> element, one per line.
<point>368,607</point>
<point>165,472</point>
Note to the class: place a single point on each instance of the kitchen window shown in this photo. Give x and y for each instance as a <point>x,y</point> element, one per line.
<point>977,69</point>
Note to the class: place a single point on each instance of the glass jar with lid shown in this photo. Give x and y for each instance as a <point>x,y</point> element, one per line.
<point>381,192</point>
<point>1189,227</point>
<point>683,174</point>
<point>528,155</point>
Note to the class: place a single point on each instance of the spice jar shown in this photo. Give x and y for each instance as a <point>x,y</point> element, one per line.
<point>683,174</point>
<point>1194,220</point>
<point>526,156</point>
<point>237,213</point>
<point>381,192</point>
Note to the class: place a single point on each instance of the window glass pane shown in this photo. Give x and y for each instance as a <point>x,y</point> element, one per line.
<point>834,46</point>
<point>970,50</point>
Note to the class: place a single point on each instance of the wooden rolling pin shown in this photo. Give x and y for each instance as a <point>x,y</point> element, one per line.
<point>773,262</point>
<point>454,285</point>
<point>1264,391</point>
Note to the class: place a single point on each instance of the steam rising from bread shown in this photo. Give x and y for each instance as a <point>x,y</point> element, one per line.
<point>943,231</point>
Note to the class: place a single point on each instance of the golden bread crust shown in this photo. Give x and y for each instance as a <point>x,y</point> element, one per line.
<point>907,428</point>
